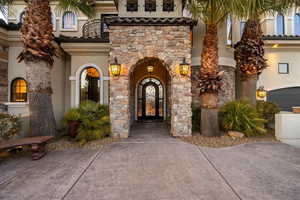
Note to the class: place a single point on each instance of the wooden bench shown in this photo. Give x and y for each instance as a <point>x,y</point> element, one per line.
<point>37,145</point>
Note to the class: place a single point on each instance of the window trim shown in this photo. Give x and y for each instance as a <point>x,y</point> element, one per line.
<point>11,92</point>
<point>288,68</point>
<point>75,29</point>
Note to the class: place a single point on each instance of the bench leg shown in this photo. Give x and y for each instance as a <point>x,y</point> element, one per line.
<point>38,151</point>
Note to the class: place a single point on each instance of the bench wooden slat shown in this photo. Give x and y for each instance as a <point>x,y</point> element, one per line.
<point>24,141</point>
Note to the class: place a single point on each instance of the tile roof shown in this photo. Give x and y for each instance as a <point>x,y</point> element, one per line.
<point>67,39</point>
<point>146,21</point>
<point>281,37</point>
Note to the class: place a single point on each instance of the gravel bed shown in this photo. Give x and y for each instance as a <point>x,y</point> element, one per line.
<point>227,141</point>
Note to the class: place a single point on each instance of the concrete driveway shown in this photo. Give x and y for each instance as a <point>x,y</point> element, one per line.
<point>153,166</point>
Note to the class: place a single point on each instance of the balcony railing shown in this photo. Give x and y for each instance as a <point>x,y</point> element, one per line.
<point>94,29</point>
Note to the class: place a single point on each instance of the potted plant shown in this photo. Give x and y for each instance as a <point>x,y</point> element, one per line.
<point>72,119</point>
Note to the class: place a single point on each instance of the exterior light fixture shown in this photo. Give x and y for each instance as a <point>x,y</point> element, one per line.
<point>115,68</point>
<point>275,45</point>
<point>150,69</point>
<point>184,68</point>
<point>261,93</point>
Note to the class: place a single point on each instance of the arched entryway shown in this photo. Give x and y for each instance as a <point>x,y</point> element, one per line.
<point>149,90</point>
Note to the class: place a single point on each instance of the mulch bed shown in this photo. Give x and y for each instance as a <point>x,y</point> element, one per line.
<point>227,141</point>
<point>67,143</point>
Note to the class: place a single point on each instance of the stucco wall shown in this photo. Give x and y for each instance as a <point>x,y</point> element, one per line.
<point>16,69</point>
<point>225,51</point>
<point>271,79</point>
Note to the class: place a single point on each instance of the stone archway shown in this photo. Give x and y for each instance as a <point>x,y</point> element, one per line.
<point>160,79</point>
<point>134,44</point>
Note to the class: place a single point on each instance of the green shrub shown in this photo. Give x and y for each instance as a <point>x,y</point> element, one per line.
<point>196,117</point>
<point>267,110</point>
<point>72,115</point>
<point>9,126</point>
<point>94,121</point>
<point>241,116</point>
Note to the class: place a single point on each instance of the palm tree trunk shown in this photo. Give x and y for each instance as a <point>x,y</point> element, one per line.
<point>249,56</point>
<point>41,120</point>
<point>209,67</point>
<point>39,50</point>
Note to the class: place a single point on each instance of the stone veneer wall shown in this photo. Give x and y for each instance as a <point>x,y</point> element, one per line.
<point>169,44</point>
<point>3,81</point>
<point>229,82</point>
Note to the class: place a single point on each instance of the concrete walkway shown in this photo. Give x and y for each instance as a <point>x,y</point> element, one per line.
<point>150,165</point>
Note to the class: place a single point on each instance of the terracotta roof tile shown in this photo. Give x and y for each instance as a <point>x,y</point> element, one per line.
<point>144,21</point>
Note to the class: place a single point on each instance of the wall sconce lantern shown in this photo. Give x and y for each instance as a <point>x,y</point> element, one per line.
<point>261,93</point>
<point>115,68</point>
<point>184,68</point>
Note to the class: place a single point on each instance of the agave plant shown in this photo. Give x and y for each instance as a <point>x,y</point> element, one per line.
<point>242,116</point>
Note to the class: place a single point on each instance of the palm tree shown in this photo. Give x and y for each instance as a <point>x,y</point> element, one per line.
<point>38,54</point>
<point>249,52</point>
<point>211,13</point>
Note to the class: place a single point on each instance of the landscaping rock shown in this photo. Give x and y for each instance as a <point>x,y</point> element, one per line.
<point>236,134</point>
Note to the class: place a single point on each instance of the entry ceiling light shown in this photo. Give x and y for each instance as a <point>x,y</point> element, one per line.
<point>150,69</point>
<point>115,68</point>
<point>184,68</point>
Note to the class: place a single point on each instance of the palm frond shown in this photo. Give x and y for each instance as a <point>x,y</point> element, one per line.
<point>84,6</point>
<point>209,11</point>
<point>253,9</point>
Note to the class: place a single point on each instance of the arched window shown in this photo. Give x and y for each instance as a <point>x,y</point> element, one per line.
<point>22,17</point>
<point>280,24</point>
<point>297,24</point>
<point>69,21</point>
<point>90,84</point>
<point>19,90</point>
